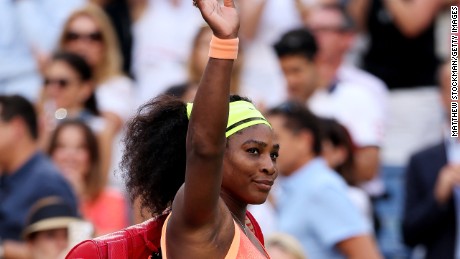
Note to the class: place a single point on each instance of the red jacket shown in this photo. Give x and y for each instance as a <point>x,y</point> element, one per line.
<point>138,241</point>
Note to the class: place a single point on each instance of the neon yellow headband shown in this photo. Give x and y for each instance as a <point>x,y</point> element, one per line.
<point>241,115</point>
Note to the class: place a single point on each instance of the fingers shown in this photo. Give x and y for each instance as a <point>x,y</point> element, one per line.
<point>229,3</point>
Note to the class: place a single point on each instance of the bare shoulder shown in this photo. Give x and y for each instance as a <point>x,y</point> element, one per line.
<point>211,240</point>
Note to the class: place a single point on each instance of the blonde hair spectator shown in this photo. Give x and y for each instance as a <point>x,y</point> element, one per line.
<point>89,33</point>
<point>110,64</point>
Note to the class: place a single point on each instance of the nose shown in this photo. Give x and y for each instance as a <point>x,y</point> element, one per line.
<point>268,166</point>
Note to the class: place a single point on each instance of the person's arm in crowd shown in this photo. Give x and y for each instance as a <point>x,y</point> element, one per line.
<point>15,250</point>
<point>359,247</point>
<point>414,16</point>
<point>359,10</point>
<point>367,163</point>
<point>251,13</point>
<point>423,213</point>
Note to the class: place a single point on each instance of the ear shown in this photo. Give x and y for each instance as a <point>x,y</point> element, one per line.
<point>305,140</point>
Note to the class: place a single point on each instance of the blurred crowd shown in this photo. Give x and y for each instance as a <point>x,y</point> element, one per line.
<point>358,92</point>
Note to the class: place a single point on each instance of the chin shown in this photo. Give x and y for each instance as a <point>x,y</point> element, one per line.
<point>259,199</point>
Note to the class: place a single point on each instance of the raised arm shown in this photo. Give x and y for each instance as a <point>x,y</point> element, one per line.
<point>197,202</point>
<point>412,17</point>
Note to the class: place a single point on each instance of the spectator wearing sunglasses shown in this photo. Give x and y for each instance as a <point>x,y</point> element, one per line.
<point>88,33</point>
<point>68,93</point>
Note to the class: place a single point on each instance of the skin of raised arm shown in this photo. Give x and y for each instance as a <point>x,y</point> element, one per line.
<point>413,17</point>
<point>358,10</point>
<point>197,202</point>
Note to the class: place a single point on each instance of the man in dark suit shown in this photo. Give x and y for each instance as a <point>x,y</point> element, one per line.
<point>431,178</point>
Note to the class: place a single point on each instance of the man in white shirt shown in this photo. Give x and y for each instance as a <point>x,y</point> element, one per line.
<point>348,102</point>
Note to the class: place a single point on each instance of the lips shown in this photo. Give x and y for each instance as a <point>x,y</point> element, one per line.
<point>264,185</point>
<point>267,182</point>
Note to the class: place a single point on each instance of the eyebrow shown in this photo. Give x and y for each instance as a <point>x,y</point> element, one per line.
<point>260,143</point>
<point>257,142</point>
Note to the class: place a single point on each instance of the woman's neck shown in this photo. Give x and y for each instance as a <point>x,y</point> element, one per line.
<point>237,208</point>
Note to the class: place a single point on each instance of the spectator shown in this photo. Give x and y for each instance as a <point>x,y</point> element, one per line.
<point>262,24</point>
<point>284,246</point>
<point>29,33</point>
<point>27,175</point>
<point>344,101</point>
<point>432,180</point>
<point>338,151</point>
<point>401,52</point>
<point>88,32</point>
<point>74,149</point>
<point>332,226</point>
<point>335,32</point>
<point>47,228</point>
<point>68,92</point>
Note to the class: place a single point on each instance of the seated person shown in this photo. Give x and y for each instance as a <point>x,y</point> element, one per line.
<point>47,228</point>
<point>26,174</point>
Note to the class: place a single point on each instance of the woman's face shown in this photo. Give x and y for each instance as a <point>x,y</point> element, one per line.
<point>250,164</point>
<point>84,37</point>
<point>71,154</point>
<point>49,244</point>
<point>64,86</point>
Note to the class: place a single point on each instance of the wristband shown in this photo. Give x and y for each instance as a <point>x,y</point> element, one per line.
<point>223,49</point>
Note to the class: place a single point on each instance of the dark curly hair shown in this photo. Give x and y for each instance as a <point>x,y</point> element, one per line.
<point>154,157</point>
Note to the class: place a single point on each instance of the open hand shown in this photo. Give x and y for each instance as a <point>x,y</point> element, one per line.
<point>223,19</point>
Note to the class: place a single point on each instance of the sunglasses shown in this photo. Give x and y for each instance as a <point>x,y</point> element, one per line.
<point>74,36</point>
<point>62,83</point>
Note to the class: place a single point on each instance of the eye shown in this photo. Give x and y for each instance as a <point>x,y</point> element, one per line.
<point>274,155</point>
<point>253,151</point>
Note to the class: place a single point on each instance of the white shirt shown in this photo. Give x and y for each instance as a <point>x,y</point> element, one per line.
<point>262,79</point>
<point>116,96</point>
<point>354,108</point>
<point>164,37</point>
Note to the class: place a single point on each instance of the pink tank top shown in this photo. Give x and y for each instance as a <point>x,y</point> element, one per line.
<point>241,247</point>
